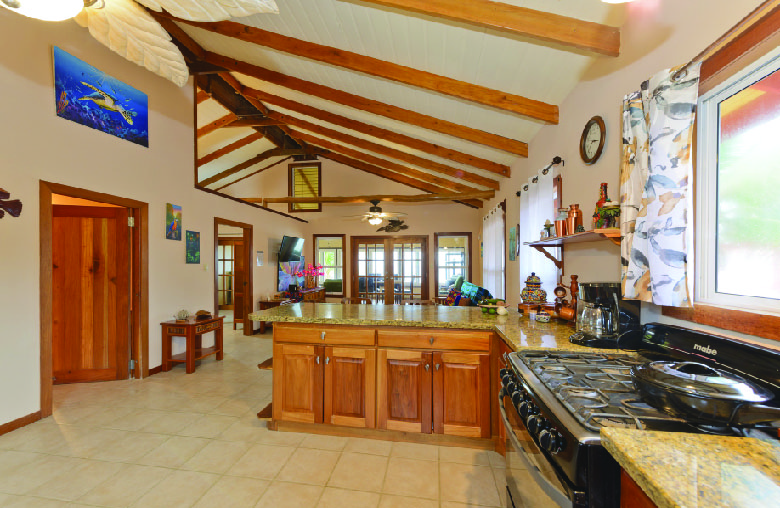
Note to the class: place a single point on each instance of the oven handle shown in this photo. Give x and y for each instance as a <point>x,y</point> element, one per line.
<point>551,490</point>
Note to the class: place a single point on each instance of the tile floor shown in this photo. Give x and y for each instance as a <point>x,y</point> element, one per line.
<point>176,440</point>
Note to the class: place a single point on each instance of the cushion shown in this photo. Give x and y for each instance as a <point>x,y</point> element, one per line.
<point>453,298</point>
<point>474,292</point>
<point>458,282</point>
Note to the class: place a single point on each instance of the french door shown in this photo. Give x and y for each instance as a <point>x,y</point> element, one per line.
<point>390,270</point>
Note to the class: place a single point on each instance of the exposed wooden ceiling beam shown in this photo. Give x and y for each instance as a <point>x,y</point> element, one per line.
<point>377,132</point>
<point>535,109</point>
<point>202,96</point>
<point>255,122</point>
<point>216,154</point>
<point>179,36</point>
<point>199,68</point>
<point>398,178</point>
<point>386,164</point>
<point>386,151</point>
<point>216,124</point>
<point>397,198</point>
<point>253,173</point>
<point>372,106</point>
<point>545,26</point>
<point>273,152</point>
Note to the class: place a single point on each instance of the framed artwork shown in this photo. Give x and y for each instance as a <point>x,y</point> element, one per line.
<point>193,247</point>
<point>512,243</point>
<point>172,222</point>
<point>88,96</point>
<point>287,270</point>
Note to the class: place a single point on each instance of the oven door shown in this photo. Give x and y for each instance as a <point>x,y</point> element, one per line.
<point>530,479</point>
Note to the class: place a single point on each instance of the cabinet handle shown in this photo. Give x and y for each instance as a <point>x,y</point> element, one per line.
<point>322,335</point>
<point>437,366</point>
<point>427,367</point>
<point>327,360</point>
<point>431,339</point>
<point>318,360</point>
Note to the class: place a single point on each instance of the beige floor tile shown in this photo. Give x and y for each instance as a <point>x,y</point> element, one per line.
<point>359,471</point>
<point>233,491</point>
<point>11,460</point>
<point>415,451</point>
<point>208,426</point>
<point>77,481</point>
<point>290,495</point>
<point>217,456</point>
<point>309,465</point>
<point>320,442</point>
<point>106,416</point>
<point>180,489</point>
<point>340,498</point>
<point>465,483</point>
<point>464,455</point>
<point>233,408</point>
<point>125,487</point>
<point>174,452</point>
<point>129,448</point>
<point>247,428</point>
<point>83,441</point>
<point>262,461</point>
<point>497,460</point>
<point>388,501</point>
<point>71,414</point>
<point>37,502</point>
<point>370,446</point>
<point>170,423</point>
<point>35,473</point>
<point>135,420</point>
<point>282,438</point>
<point>500,476</point>
<point>412,477</point>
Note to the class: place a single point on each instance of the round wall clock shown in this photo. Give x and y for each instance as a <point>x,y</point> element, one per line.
<point>592,140</point>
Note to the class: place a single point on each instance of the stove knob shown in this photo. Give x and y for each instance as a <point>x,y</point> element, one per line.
<point>506,378</point>
<point>517,398</point>
<point>535,424</point>
<point>526,408</point>
<point>551,440</point>
<point>511,387</point>
<point>502,373</point>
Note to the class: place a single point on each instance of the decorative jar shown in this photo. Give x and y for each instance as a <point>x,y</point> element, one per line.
<point>533,292</point>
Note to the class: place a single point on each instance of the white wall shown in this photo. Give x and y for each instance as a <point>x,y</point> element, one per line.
<point>36,145</point>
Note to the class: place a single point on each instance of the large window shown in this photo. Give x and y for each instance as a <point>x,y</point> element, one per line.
<point>453,260</point>
<point>738,231</point>
<point>304,182</point>
<point>329,253</point>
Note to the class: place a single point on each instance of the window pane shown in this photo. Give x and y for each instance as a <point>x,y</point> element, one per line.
<point>452,258</point>
<point>748,228</point>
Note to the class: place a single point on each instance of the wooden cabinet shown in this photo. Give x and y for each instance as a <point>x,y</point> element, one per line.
<point>631,494</point>
<point>323,383</point>
<point>442,392</point>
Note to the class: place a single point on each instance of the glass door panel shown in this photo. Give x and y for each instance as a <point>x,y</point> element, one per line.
<point>407,270</point>
<point>390,270</point>
<point>370,270</point>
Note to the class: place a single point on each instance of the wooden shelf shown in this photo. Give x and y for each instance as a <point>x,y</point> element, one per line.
<point>612,234</point>
<point>199,354</point>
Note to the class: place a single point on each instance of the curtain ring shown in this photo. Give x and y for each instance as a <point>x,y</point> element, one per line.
<point>546,170</point>
<point>680,74</point>
<point>525,187</point>
<point>535,179</point>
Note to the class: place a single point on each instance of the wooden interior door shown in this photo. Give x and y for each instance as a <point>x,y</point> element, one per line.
<point>225,271</point>
<point>404,392</point>
<point>350,387</point>
<point>369,272</point>
<point>390,269</point>
<point>461,394</point>
<point>91,293</point>
<point>409,268</point>
<point>298,383</point>
<point>239,290</point>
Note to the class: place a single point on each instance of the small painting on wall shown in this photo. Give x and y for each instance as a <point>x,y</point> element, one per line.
<point>193,247</point>
<point>287,277</point>
<point>89,96</point>
<point>172,222</point>
<point>512,243</point>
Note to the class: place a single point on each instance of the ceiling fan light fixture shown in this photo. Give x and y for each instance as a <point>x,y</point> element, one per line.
<point>375,221</point>
<point>46,10</point>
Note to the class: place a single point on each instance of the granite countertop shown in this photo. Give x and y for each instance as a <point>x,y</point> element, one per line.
<point>696,470</point>
<point>517,331</point>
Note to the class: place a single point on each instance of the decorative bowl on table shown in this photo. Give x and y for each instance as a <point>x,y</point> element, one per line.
<point>202,315</point>
<point>542,316</point>
<point>491,306</point>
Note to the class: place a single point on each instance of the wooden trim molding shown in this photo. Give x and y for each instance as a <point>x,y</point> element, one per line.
<point>344,259</point>
<point>750,323</point>
<point>247,237</point>
<point>19,422</point>
<point>435,250</point>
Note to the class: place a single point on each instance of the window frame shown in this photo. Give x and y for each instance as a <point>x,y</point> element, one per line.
<point>469,259</point>
<point>344,261</point>
<point>290,185</point>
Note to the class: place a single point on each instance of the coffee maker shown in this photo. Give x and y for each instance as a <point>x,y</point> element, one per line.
<point>604,319</point>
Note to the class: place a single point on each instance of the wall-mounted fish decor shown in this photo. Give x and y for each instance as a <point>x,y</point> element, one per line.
<point>13,206</point>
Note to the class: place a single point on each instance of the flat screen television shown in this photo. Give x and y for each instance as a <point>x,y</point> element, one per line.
<point>291,249</point>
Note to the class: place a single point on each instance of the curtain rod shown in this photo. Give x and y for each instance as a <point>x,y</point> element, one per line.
<point>748,21</point>
<point>556,160</point>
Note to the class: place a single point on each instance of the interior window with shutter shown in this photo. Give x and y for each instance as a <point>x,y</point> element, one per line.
<point>304,181</point>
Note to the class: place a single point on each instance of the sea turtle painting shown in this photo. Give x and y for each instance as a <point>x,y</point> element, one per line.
<point>108,102</point>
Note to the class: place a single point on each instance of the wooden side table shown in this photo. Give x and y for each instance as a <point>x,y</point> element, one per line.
<point>267,304</point>
<point>192,330</point>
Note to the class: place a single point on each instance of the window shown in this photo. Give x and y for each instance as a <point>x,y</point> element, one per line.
<point>493,250</point>
<point>304,182</point>
<point>329,253</point>
<point>738,232</point>
<point>452,260</point>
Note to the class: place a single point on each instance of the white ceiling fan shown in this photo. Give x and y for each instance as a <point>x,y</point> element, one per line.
<point>128,29</point>
<point>375,215</point>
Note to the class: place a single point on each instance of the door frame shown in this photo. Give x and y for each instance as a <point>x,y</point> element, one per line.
<point>353,275</point>
<point>139,283</point>
<point>248,249</point>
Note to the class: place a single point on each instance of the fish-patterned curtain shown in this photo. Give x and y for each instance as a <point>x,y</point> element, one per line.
<point>654,176</point>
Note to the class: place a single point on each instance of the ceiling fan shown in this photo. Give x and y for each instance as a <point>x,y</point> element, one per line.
<point>375,215</point>
<point>128,29</point>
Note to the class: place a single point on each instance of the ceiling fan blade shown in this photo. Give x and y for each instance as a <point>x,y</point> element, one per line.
<point>213,10</point>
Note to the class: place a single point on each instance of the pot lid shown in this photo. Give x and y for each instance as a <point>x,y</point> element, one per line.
<point>533,279</point>
<point>701,380</point>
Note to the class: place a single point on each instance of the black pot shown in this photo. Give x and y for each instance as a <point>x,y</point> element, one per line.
<point>701,394</point>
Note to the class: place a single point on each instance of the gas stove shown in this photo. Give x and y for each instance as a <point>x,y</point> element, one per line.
<point>554,404</point>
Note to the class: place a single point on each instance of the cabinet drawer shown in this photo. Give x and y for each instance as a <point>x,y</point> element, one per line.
<point>434,339</point>
<point>348,335</point>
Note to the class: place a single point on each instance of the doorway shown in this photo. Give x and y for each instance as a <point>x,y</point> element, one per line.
<point>233,272</point>
<point>130,339</point>
<point>390,269</point>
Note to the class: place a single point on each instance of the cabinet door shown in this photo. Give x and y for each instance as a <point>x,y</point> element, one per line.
<point>350,387</point>
<point>461,394</point>
<point>298,376</point>
<point>404,391</point>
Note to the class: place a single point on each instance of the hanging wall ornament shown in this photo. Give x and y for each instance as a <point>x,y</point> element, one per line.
<point>12,206</point>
